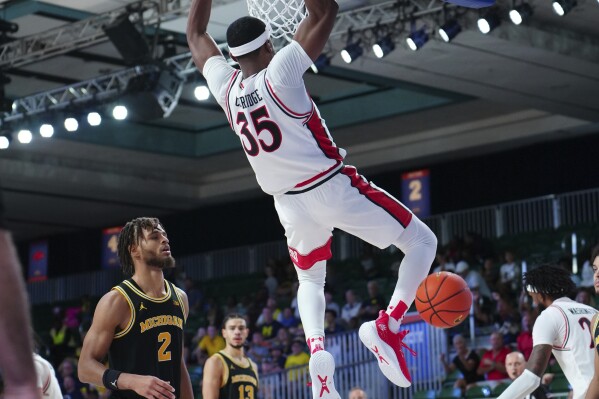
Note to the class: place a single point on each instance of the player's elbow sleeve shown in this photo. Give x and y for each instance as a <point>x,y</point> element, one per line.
<point>522,386</point>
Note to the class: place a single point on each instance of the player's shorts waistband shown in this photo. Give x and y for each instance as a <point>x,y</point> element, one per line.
<point>320,179</point>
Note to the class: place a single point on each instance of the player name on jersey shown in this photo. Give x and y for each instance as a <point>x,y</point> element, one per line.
<point>581,311</point>
<point>162,320</point>
<point>244,378</point>
<point>248,100</point>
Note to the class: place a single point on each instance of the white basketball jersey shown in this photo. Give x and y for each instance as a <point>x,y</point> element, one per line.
<point>566,325</point>
<point>46,378</point>
<point>285,140</point>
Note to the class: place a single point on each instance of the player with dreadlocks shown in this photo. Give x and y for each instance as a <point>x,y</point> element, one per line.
<point>140,323</point>
<point>563,328</point>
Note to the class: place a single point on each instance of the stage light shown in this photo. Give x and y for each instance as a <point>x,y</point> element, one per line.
<point>119,112</point>
<point>449,30</point>
<point>71,124</point>
<point>562,7</point>
<point>417,39</point>
<point>24,136</point>
<point>383,46</point>
<point>94,119</point>
<point>521,13</point>
<point>351,52</point>
<point>46,130</point>
<point>320,63</point>
<point>488,22</point>
<point>4,142</point>
<point>201,93</point>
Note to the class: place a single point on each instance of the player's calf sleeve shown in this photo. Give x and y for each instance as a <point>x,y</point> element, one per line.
<point>419,244</point>
<point>310,301</point>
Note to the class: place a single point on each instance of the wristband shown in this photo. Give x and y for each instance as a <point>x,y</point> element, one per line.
<point>110,378</point>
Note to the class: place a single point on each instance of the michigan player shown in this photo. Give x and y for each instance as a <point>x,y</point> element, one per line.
<point>230,374</point>
<point>563,328</point>
<point>593,392</point>
<point>139,323</point>
<point>297,162</point>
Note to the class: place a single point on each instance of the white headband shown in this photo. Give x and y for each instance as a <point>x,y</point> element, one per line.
<point>250,46</point>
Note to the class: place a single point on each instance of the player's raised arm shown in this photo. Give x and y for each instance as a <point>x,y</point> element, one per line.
<point>200,43</point>
<point>531,377</point>
<point>314,31</point>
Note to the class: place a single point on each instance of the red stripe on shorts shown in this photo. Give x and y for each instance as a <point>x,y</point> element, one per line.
<point>378,197</point>
<point>305,262</point>
<point>321,135</point>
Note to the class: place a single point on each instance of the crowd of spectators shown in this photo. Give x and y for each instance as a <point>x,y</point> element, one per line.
<point>501,311</point>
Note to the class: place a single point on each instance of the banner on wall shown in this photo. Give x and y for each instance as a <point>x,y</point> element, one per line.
<point>415,192</point>
<point>110,239</point>
<point>38,261</point>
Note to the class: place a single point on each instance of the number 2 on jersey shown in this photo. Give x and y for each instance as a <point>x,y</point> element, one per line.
<point>260,124</point>
<point>163,354</point>
<point>243,389</point>
<point>583,321</point>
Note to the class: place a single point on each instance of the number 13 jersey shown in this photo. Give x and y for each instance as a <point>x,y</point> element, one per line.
<point>285,139</point>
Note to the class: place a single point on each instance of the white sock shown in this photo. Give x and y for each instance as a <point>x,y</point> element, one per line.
<point>310,299</point>
<point>419,245</point>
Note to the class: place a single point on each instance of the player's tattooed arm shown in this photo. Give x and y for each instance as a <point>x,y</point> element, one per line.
<point>539,358</point>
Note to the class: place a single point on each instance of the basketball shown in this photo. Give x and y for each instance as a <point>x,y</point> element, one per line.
<point>443,299</point>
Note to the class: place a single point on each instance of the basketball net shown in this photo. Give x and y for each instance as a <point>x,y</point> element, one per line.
<point>283,16</point>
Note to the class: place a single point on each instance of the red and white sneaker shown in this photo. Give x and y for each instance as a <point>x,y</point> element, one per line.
<point>387,346</point>
<point>322,368</point>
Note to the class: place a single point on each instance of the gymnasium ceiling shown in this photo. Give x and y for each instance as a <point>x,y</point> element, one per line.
<point>479,93</point>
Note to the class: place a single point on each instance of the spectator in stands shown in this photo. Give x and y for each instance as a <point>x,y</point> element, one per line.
<point>472,278</point>
<point>357,393</point>
<point>375,302</point>
<point>483,308</point>
<point>509,274</point>
<point>212,311</point>
<point>330,303</point>
<point>230,305</point>
<point>267,325</point>
<point>283,340</point>
<point>492,364</point>
<point>67,369</point>
<point>194,295</point>
<point>212,342</point>
<point>583,296</point>
<point>60,334</point>
<point>244,306</point>
<point>524,339</point>
<point>275,312</point>
<point>298,357</point>
<point>352,306</point>
<point>490,273</point>
<point>465,360</point>
<point>271,283</point>
<point>515,365</point>
<point>565,262</point>
<point>259,348</point>
<point>70,389</point>
<point>278,358</point>
<point>506,318</point>
<point>443,264</point>
<point>200,333</point>
<point>330,323</point>
<point>287,319</point>
<point>368,263</point>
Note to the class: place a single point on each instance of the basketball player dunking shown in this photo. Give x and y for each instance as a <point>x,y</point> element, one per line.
<point>139,323</point>
<point>296,161</point>
<point>230,374</point>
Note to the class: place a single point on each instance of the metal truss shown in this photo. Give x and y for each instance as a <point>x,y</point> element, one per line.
<point>106,87</point>
<point>97,90</point>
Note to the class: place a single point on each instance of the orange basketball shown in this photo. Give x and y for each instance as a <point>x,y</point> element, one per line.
<point>443,299</point>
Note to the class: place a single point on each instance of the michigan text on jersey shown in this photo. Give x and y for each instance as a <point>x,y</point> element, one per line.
<point>161,320</point>
<point>244,378</point>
